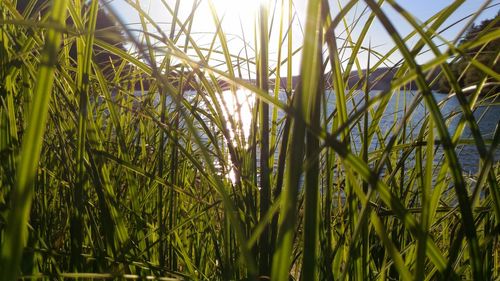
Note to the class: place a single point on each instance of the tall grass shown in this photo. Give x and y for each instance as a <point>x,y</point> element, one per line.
<point>140,167</point>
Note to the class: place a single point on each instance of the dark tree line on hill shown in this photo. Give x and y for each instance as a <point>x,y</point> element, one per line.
<point>486,54</point>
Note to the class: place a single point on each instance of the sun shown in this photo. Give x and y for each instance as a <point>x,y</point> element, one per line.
<point>234,14</point>
<point>238,7</point>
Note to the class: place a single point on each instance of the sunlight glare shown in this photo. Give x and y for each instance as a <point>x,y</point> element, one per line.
<point>231,12</point>
<point>237,7</point>
<point>238,107</point>
<point>237,111</point>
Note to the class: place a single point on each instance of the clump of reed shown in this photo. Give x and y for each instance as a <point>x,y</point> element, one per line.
<point>114,170</point>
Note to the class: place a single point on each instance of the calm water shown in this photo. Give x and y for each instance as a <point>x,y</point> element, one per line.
<point>488,117</point>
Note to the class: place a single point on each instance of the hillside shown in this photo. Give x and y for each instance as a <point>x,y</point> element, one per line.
<point>380,80</point>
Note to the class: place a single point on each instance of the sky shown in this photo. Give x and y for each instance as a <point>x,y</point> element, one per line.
<point>239,17</point>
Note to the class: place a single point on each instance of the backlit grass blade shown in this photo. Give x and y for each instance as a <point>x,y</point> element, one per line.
<point>265,184</point>
<point>451,156</point>
<point>312,171</point>
<point>218,183</point>
<point>467,113</point>
<point>16,232</point>
<point>84,58</point>
<point>304,99</point>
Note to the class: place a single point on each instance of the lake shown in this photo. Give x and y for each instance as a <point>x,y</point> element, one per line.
<point>487,115</point>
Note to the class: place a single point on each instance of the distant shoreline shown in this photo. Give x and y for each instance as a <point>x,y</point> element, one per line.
<point>379,80</point>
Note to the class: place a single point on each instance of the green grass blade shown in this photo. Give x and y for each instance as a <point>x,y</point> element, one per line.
<point>16,231</point>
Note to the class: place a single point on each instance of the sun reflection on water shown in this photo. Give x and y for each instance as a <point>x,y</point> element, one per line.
<point>237,110</point>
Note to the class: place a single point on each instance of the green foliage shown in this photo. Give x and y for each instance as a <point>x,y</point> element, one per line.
<point>111,168</point>
<point>487,54</point>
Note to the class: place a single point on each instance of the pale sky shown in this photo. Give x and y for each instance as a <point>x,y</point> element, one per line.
<point>234,11</point>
